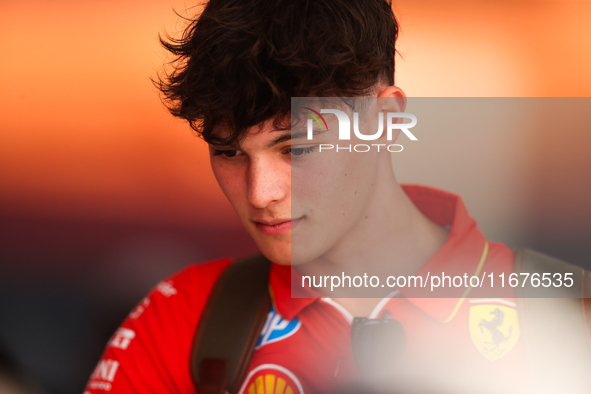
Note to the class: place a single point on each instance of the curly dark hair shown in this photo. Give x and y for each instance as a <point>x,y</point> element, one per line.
<point>239,63</point>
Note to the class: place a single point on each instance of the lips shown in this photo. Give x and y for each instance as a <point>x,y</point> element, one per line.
<point>276,227</point>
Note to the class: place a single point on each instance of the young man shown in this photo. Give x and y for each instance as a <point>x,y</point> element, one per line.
<point>325,213</point>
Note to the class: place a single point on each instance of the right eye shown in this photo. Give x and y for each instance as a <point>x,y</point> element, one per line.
<point>226,152</point>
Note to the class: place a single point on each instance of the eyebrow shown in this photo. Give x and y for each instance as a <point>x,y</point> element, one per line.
<point>280,139</point>
<point>286,137</point>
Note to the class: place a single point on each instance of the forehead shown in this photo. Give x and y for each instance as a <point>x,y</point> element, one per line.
<point>264,135</point>
<point>226,135</point>
<point>294,121</point>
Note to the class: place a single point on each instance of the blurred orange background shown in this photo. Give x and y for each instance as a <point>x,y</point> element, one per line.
<point>102,192</point>
<point>83,133</point>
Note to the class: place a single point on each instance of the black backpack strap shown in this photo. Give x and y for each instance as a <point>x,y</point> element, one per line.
<point>554,329</point>
<point>230,326</point>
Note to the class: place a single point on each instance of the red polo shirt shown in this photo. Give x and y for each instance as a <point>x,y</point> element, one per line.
<point>463,344</point>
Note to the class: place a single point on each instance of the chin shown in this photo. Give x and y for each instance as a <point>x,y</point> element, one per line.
<point>301,256</point>
<point>275,250</point>
<point>283,254</point>
<point>277,257</point>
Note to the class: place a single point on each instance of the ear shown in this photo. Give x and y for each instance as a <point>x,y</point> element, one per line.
<point>391,99</point>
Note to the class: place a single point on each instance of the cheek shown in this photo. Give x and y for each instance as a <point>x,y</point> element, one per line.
<point>231,181</point>
<point>310,183</point>
<point>340,189</point>
<point>327,186</point>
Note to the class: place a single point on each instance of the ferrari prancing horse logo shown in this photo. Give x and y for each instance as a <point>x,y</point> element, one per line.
<point>494,327</point>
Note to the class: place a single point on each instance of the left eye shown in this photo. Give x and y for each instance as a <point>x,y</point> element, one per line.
<point>300,151</point>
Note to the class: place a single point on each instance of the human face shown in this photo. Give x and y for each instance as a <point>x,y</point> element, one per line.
<point>255,177</point>
<point>331,190</point>
<point>287,193</point>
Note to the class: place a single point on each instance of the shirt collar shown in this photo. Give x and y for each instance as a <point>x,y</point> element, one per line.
<point>460,254</point>
<point>463,252</point>
<point>279,281</point>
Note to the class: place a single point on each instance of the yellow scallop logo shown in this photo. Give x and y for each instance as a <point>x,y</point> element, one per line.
<point>271,379</point>
<point>269,384</point>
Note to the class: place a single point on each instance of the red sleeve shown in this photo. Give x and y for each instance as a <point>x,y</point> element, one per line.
<point>150,352</point>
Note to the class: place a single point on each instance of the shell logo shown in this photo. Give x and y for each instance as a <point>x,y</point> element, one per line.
<point>271,379</point>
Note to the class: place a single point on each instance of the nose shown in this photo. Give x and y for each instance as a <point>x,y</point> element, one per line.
<point>268,182</point>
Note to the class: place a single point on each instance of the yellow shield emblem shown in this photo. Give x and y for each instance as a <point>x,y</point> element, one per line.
<point>494,327</point>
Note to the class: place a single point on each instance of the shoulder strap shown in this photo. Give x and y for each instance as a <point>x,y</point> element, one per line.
<point>554,330</point>
<point>230,326</point>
